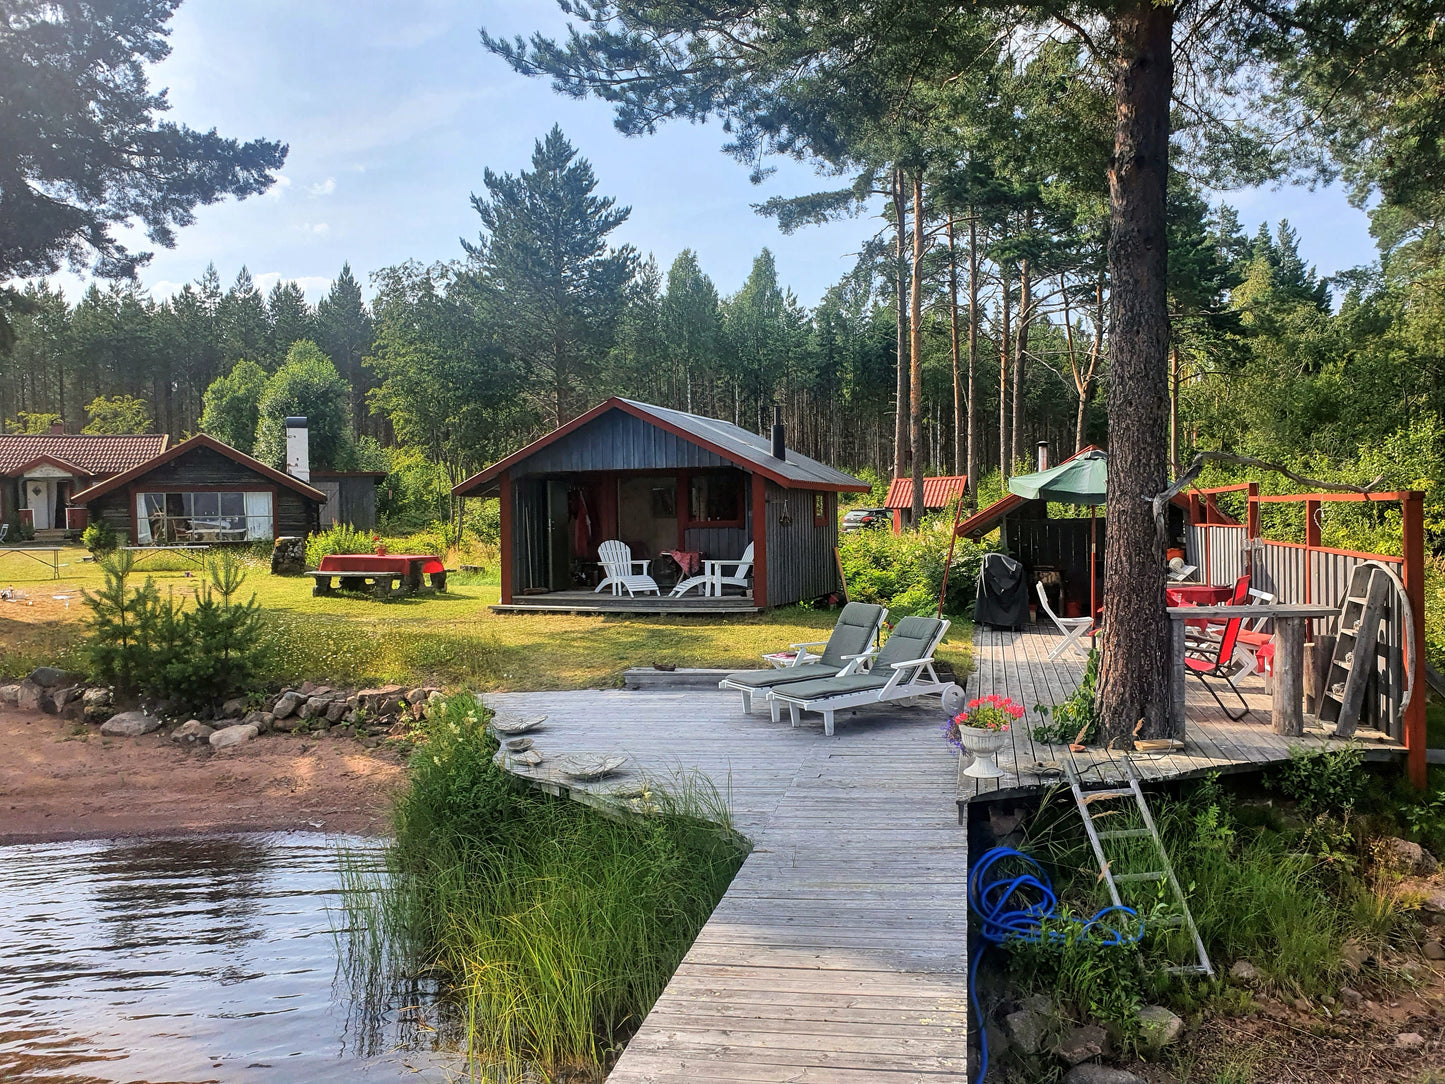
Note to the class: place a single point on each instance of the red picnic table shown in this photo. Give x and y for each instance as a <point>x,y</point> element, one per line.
<point>382,570</point>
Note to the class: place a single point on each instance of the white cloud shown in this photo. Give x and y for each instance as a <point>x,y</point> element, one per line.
<point>283,182</point>
<point>325,188</point>
<point>165,289</point>
<point>315,229</point>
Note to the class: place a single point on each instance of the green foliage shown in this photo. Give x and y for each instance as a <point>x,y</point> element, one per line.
<point>307,385</point>
<point>340,538</point>
<point>552,927</point>
<point>232,405</point>
<point>117,414</point>
<point>117,648</point>
<point>98,537</point>
<point>28,421</point>
<point>222,651</point>
<point>1073,720</point>
<point>905,571</point>
<point>1325,782</point>
<point>1100,982</point>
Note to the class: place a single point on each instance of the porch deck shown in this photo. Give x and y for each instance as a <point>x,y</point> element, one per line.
<point>1016,665</point>
<point>590,602</point>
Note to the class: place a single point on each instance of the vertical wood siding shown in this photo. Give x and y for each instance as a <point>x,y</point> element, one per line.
<point>800,555</point>
<point>619,441</point>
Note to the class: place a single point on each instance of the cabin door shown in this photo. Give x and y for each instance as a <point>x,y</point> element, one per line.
<point>559,543</point>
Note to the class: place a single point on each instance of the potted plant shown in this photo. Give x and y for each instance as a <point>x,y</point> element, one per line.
<point>982,728</point>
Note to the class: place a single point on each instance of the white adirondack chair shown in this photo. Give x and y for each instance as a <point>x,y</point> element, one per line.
<point>1072,628</point>
<point>712,580</point>
<point>617,563</point>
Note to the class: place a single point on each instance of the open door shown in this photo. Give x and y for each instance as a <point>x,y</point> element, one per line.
<point>559,542</point>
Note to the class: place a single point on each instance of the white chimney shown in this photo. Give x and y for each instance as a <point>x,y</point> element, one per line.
<point>298,452</point>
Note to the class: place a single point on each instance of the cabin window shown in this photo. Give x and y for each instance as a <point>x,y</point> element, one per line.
<point>228,516</point>
<point>715,498</point>
<point>820,510</point>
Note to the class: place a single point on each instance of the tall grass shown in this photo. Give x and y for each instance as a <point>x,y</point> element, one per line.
<point>552,927</point>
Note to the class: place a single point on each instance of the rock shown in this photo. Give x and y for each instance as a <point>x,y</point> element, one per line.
<point>998,1044</point>
<point>288,704</point>
<point>314,706</point>
<point>415,696</point>
<point>1082,1043</point>
<point>335,710</point>
<point>308,688</point>
<point>288,556</point>
<point>9,695</point>
<point>1351,998</point>
<point>233,735</point>
<point>130,724</point>
<point>236,706</point>
<point>166,708</point>
<point>1434,950</point>
<point>1409,857</point>
<point>371,743</point>
<point>96,704</point>
<point>1039,1003</point>
<point>288,724</point>
<point>30,696</point>
<point>1245,972</point>
<point>1301,1005</point>
<point>1409,1040</point>
<point>191,732</point>
<point>1158,1026</point>
<point>382,699</point>
<point>49,677</point>
<point>1354,956</point>
<point>1025,1030</point>
<point>1100,1074</point>
<point>1433,904</point>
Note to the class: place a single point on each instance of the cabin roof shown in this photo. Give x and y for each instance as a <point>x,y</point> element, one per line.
<point>938,492</point>
<point>200,440</point>
<point>92,454</point>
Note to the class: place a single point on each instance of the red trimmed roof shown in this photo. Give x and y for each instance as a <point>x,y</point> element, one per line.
<point>95,455</point>
<point>938,492</point>
<point>51,461</point>
<point>200,440</point>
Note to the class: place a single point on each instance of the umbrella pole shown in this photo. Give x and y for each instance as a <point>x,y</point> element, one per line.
<point>1093,548</point>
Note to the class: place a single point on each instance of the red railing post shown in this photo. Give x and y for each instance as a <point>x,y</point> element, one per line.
<point>1412,507</point>
<point>1251,518</point>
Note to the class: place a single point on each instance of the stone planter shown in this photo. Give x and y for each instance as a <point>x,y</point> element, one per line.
<point>983,746</point>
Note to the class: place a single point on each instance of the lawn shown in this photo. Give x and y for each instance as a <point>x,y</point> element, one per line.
<point>451,639</point>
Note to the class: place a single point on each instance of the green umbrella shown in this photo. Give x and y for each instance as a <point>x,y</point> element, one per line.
<point>1081,480</point>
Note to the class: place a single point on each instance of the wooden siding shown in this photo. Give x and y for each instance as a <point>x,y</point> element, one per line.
<point>619,441</point>
<point>1056,543</point>
<point>10,502</point>
<point>720,543</point>
<point>348,500</point>
<point>799,555</point>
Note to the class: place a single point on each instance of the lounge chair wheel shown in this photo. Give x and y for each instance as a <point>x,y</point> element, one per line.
<point>953,699</point>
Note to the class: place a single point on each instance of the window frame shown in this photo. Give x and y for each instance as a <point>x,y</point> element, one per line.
<point>685,513</point>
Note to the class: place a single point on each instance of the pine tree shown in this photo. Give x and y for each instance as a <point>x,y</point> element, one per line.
<point>290,319</point>
<point>345,333</point>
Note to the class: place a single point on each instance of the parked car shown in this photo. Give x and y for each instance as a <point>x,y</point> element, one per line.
<point>859,518</point>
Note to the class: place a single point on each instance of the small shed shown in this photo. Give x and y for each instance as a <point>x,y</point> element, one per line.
<point>666,483</point>
<point>350,496</point>
<point>938,493</point>
<point>202,490</point>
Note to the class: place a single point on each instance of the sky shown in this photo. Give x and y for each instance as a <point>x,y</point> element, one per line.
<point>392,111</point>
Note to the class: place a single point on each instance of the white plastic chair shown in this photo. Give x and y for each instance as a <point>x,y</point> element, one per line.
<point>617,563</point>
<point>1073,628</point>
<point>712,580</point>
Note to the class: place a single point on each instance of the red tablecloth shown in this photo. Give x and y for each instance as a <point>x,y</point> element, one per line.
<point>401,563</point>
<point>690,561</point>
<point>1197,594</point>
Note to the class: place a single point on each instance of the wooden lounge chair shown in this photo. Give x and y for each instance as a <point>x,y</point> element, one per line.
<point>844,652</point>
<point>1072,627</point>
<point>712,580</point>
<point>617,563</point>
<point>902,670</point>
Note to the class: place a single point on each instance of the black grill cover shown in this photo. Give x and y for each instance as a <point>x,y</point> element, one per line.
<point>1003,593</point>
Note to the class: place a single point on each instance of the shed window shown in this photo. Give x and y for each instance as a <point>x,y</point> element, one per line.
<point>716,497</point>
<point>820,510</point>
<point>231,516</point>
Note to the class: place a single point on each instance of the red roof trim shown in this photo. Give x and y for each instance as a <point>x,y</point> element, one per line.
<point>482,477</point>
<point>200,440</point>
<point>54,461</point>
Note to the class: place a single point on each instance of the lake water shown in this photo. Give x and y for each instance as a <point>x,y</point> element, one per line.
<point>200,959</point>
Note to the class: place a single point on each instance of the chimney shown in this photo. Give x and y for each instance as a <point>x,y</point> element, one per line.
<point>1043,455</point>
<point>780,449</point>
<point>57,429</point>
<point>298,452</point>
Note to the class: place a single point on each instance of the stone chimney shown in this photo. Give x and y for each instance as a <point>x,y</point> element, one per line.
<point>57,429</point>
<point>298,451</point>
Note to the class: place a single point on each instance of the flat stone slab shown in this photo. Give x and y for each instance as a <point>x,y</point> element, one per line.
<point>130,724</point>
<point>233,735</point>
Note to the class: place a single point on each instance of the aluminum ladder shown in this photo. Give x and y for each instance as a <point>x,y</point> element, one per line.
<point>1084,798</point>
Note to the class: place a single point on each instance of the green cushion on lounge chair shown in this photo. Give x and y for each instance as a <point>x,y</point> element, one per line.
<point>911,639</point>
<point>768,679</point>
<point>836,686</point>
<point>852,635</point>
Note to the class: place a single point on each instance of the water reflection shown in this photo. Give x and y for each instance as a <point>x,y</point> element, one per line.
<point>202,959</point>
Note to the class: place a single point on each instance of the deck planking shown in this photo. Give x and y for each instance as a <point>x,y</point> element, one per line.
<point>839,952</point>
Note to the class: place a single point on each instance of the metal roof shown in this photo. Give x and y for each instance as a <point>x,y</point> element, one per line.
<point>94,454</point>
<point>939,492</point>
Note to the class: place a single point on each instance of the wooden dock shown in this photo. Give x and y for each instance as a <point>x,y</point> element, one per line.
<point>839,953</point>
<point>1016,665</point>
<point>591,602</point>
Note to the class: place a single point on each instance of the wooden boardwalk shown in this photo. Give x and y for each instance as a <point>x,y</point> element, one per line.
<point>591,602</point>
<point>1016,664</point>
<point>839,953</point>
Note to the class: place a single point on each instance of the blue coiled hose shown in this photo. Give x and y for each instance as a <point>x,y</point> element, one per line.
<point>991,898</point>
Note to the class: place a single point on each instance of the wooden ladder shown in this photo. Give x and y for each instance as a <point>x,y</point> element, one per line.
<point>1353,663</point>
<point>1085,798</point>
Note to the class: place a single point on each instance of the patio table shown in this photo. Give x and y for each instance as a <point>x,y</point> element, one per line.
<point>410,566</point>
<point>1197,594</point>
<point>49,556</point>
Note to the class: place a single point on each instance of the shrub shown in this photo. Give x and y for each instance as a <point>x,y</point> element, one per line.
<point>342,538</point>
<point>99,538</point>
<point>905,571</point>
<point>1326,782</point>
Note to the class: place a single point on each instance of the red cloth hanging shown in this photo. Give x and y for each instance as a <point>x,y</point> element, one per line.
<point>581,523</point>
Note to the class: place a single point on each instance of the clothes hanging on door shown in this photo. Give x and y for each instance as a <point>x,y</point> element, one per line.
<point>581,522</point>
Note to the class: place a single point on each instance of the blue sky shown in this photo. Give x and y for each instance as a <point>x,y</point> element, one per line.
<point>392,111</point>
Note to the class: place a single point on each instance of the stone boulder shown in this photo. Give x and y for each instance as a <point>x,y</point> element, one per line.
<point>1159,1027</point>
<point>1407,857</point>
<point>49,677</point>
<point>9,696</point>
<point>30,696</point>
<point>230,736</point>
<point>288,556</point>
<point>1409,1040</point>
<point>96,704</point>
<point>261,720</point>
<point>1100,1074</point>
<point>288,704</point>
<point>236,706</point>
<point>335,710</point>
<point>289,723</point>
<point>1245,972</point>
<point>1025,1029</point>
<point>191,732</point>
<point>314,706</point>
<point>1082,1043</point>
<point>130,724</point>
<point>383,700</point>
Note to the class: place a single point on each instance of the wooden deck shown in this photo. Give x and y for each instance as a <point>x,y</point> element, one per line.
<point>839,952</point>
<point>1016,664</point>
<point>590,602</point>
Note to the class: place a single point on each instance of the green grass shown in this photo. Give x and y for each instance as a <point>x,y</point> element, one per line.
<point>451,639</point>
<point>550,928</point>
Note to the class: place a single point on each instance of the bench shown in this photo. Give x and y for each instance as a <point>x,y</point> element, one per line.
<point>381,584</point>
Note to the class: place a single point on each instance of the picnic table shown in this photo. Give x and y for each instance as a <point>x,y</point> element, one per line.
<point>380,571</point>
<point>190,551</point>
<point>1290,621</point>
<point>49,556</point>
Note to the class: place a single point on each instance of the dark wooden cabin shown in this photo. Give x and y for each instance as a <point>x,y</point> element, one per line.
<point>662,480</point>
<point>202,490</point>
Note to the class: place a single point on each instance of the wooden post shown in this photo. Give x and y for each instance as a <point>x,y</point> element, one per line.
<point>1289,657</point>
<point>1177,678</point>
<point>504,483</point>
<point>1317,668</point>
<point>1251,518</point>
<point>760,541</point>
<point>1412,506</point>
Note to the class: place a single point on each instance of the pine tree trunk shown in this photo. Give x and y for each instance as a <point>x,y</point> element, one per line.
<point>958,452</point>
<point>915,351</point>
<point>972,357</point>
<point>1174,411</point>
<point>1021,345</point>
<point>1134,671</point>
<point>900,413</point>
<point>1006,323</point>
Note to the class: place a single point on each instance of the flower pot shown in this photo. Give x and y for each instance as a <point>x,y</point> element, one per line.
<point>983,746</point>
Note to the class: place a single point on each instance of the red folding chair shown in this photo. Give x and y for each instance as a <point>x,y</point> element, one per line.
<point>1215,659</point>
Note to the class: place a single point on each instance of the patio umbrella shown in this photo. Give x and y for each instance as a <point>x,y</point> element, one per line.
<point>1080,480</point>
